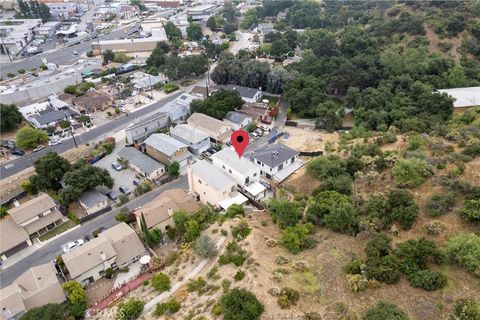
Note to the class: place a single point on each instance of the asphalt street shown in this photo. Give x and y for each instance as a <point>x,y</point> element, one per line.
<point>12,167</point>
<point>63,56</point>
<point>52,249</point>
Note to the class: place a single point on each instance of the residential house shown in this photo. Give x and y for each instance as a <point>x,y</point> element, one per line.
<point>464,97</point>
<point>166,149</point>
<point>142,163</point>
<point>37,216</point>
<point>142,128</point>
<point>211,186</point>
<point>276,161</point>
<point>126,243</point>
<point>36,287</point>
<point>13,238</point>
<point>179,109</point>
<point>244,172</point>
<point>250,95</point>
<point>237,120</point>
<point>142,81</point>
<point>92,101</point>
<point>218,130</point>
<point>196,140</point>
<point>87,263</point>
<point>256,111</point>
<point>199,91</point>
<point>264,29</point>
<point>93,201</point>
<point>158,212</point>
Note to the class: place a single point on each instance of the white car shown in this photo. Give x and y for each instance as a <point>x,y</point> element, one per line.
<point>54,142</point>
<point>123,110</point>
<point>72,245</point>
<point>75,53</point>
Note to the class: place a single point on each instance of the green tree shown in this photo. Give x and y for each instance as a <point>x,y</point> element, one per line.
<point>160,282</point>
<point>194,31</point>
<point>129,310</point>
<point>172,31</point>
<point>156,235</point>
<point>343,219</point>
<point>28,137</point>
<point>277,78</point>
<point>167,308</point>
<point>192,230</point>
<point>3,212</point>
<point>158,56</point>
<point>146,234</point>
<point>325,203</point>
<point>108,56</point>
<point>411,172</point>
<point>321,41</point>
<point>240,304</point>
<point>205,247</point>
<point>249,19</point>
<point>173,169</point>
<point>77,298</point>
<point>284,212</point>
<point>401,207</point>
<point>218,104</point>
<point>212,23</point>
<point>49,170</point>
<point>180,219</point>
<point>235,210</point>
<point>121,57</point>
<point>70,89</point>
<point>297,238</point>
<point>10,117</point>
<point>385,311</point>
<point>279,48</point>
<point>328,116</point>
<point>51,311</point>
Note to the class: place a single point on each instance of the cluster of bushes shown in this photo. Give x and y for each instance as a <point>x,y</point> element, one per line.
<point>240,304</point>
<point>160,282</point>
<point>471,207</point>
<point>234,254</point>
<point>143,188</point>
<point>288,297</point>
<point>241,230</point>
<point>297,238</point>
<point>167,308</point>
<point>197,286</point>
<point>130,310</point>
<point>440,204</point>
<point>170,87</point>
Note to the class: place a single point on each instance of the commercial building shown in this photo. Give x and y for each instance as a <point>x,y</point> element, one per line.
<point>128,45</point>
<point>202,13</point>
<point>15,34</point>
<point>142,128</point>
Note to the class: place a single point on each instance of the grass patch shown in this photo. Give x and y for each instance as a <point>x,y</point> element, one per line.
<point>307,282</point>
<point>272,101</point>
<point>57,230</point>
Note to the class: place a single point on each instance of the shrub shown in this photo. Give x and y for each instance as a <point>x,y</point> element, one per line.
<point>241,230</point>
<point>342,218</point>
<point>434,228</point>
<point>192,230</point>
<point>146,283</point>
<point>465,309</point>
<point>205,247</point>
<point>385,311</point>
<point>160,282</point>
<point>354,266</point>
<point>234,254</point>
<point>51,311</point>
<point>288,297</point>
<point>109,273</point>
<point>383,269</point>
<point>440,204</point>
<point>284,212</point>
<point>411,172</point>
<point>170,87</point>
<point>123,198</point>
<point>3,212</point>
<point>297,238</point>
<point>471,210</point>
<point>428,280</point>
<point>197,286</point>
<point>167,308</point>
<point>357,282</point>
<point>464,250</point>
<point>240,304</point>
<point>235,210</point>
<point>28,137</point>
<point>402,208</point>
<point>412,255</point>
<point>130,310</point>
<point>239,275</point>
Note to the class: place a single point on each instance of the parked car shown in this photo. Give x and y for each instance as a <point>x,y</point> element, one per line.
<point>137,182</point>
<point>54,142</point>
<point>124,189</point>
<point>57,267</point>
<point>18,152</point>
<point>72,245</point>
<point>123,110</point>
<point>39,148</point>
<point>75,52</point>
<point>117,166</point>
<point>8,144</point>
<point>111,195</point>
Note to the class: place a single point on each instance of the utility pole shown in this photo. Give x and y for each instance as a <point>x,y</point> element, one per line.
<point>71,131</point>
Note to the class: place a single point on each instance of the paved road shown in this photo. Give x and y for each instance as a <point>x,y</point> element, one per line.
<point>27,160</point>
<point>53,248</point>
<point>62,56</point>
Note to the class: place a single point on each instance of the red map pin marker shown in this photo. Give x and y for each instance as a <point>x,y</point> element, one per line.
<point>240,140</point>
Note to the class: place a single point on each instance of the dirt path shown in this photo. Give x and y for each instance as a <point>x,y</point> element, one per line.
<point>149,306</point>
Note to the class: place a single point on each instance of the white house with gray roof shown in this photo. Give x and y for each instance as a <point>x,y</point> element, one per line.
<point>276,161</point>
<point>211,186</point>
<point>179,109</point>
<point>237,120</point>
<point>142,163</point>
<point>244,172</point>
<point>93,201</point>
<point>142,128</point>
<point>167,150</point>
<point>197,140</point>
<point>250,95</point>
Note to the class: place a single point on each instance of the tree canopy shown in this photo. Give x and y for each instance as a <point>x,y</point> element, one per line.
<point>218,104</point>
<point>240,304</point>
<point>10,117</point>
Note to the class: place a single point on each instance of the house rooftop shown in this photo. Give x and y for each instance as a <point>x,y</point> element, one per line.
<point>141,121</point>
<point>189,133</point>
<point>91,198</point>
<point>11,299</point>
<point>11,234</point>
<point>211,175</point>
<point>125,242</point>
<point>49,115</point>
<point>231,159</point>
<point>236,117</point>
<point>164,143</point>
<point>464,97</point>
<point>32,208</point>
<point>244,92</point>
<point>88,256</point>
<point>273,155</point>
<point>207,123</point>
<point>140,160</point>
